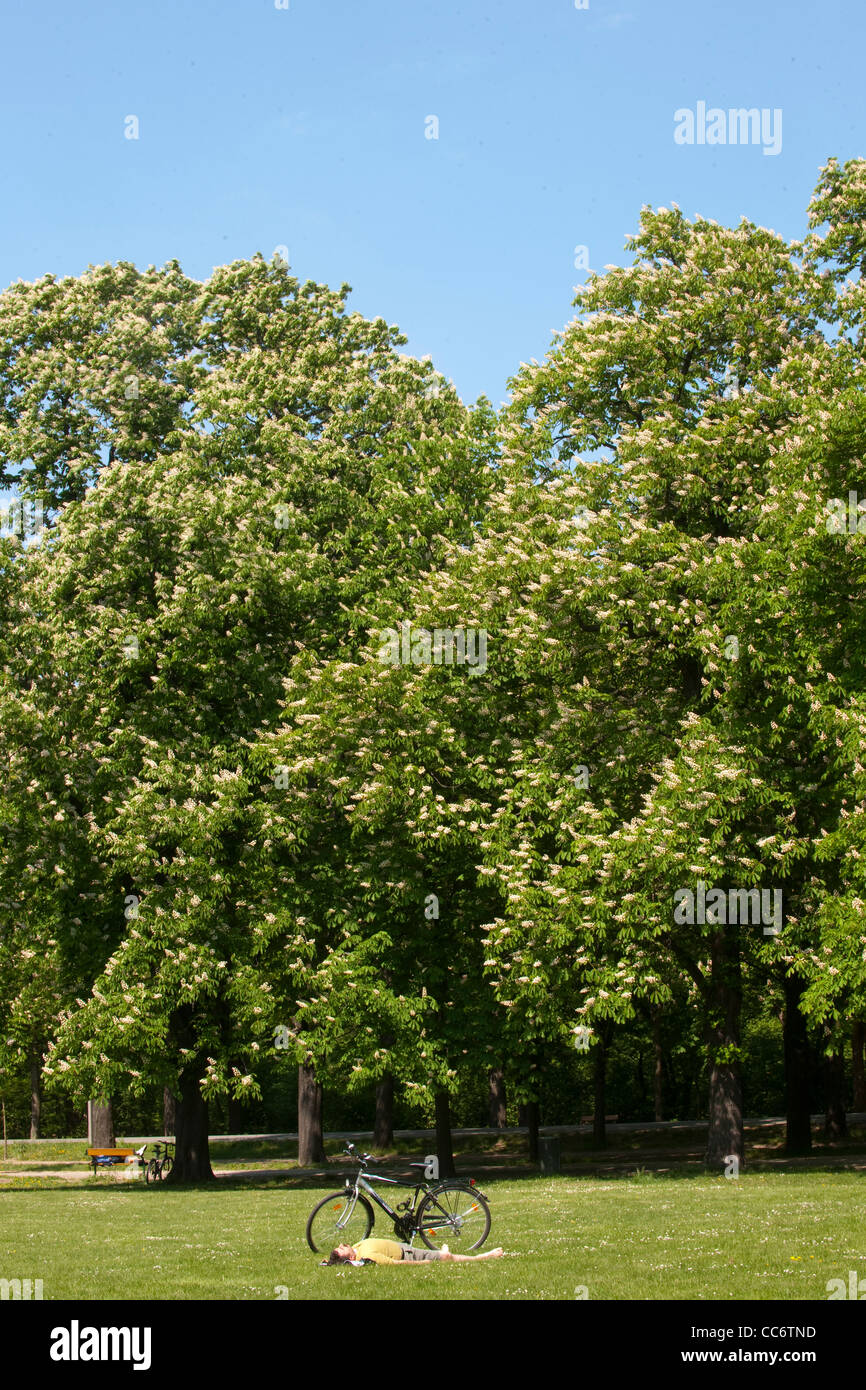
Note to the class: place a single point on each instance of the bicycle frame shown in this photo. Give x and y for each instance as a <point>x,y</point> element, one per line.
<point>362,1181</point>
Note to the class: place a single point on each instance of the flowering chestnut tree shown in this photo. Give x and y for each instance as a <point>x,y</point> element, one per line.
<point>313,467</point>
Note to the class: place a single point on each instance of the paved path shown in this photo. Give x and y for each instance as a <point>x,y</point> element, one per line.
<point>484,1166</point>
<point>629,1127</point>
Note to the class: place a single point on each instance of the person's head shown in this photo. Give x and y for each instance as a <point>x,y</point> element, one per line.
<point>341,1255</point>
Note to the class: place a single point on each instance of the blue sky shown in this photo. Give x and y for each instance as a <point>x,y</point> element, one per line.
<point>305,127</point>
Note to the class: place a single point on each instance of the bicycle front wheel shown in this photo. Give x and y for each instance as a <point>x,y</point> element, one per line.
<point>151,1172</point>
<point>344,1218</point>
<point>167,1165</point>
<point>458,1217</point>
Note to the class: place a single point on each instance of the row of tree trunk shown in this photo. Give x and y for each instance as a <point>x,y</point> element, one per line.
<point>726,1089</point>
<point>188,1121</point>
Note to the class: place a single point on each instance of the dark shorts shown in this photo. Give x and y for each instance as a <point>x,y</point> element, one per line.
<point>411,1254</point>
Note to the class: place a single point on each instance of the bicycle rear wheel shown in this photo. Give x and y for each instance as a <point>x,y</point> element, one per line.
<point>456,1216</point>
<point>167,1165</point>
<point>341,1219</point>
<point>151,1172</point>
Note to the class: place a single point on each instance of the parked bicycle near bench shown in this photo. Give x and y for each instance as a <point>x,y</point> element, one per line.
<point>453,1213</point>
<point>159,1167</point>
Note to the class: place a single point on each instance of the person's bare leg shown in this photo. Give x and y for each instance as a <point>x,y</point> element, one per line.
<point>488,1255</point>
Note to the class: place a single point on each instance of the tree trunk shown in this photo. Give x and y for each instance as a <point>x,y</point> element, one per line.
<point>658,1069</point>
<point>498,1118</point>
<point>102,1124</point>
<point>169,1113</point>
<point>71,1117</point>
<point>192,1149</point>
<point>835,1123</point>
<point>383,1124</point>
<point>35,1094</point>
<point>444,1151</point>
<point>798,1127</point>
<point>311,1143</point>
<point>641,1082</point>
<point>599,1134</point>
<point>532,1122</point>
<point>725,1110</point>
<point>858,1069</point>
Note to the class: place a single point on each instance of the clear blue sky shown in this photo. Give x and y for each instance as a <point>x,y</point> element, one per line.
<point>305,127</point>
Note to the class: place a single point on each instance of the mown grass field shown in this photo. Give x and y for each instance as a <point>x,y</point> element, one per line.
<point>761,1236</point>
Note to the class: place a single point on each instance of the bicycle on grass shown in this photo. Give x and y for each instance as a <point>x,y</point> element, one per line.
<point>159,1167</point>
<point>452,1213</point>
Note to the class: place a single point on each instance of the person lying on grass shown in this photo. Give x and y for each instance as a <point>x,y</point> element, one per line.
<point>392,1252</point>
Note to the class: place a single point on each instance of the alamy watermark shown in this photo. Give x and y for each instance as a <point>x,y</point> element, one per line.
<point>22,517</point>
<point>856,1288</point>
<point>24,1289</point>
<point>737,126</point>
<point>77,1343</point>
<point>443,646</point>
<point>847,519</point>
<point>730,906</point>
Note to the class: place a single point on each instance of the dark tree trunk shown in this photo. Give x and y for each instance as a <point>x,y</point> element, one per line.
<point>835,1123</point>
<point>858,1069</point>
<point>498,1117</point>
<point>35,1094</point>
<point>102,1121</point>
<point>658,1069</point>
<point>311,1142</point>
<point>522,1114</point>
<point>383,1124</point>
<point>641,1081</point>
<point>725,1110</point>
<point>444,1151</point>
<point>670,1084</point>
<point>599,1133</point>
<point>192,1150</point>
<point>532,1122</point>
<point>169,1113</point>
<point>683,1082</point>
<point>798,1127</point>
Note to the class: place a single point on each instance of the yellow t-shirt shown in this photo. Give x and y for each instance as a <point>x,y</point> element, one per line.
<point>381,1252</point>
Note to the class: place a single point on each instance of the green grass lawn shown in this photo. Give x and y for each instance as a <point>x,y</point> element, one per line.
<point>762,1236</point>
